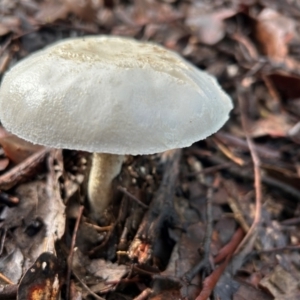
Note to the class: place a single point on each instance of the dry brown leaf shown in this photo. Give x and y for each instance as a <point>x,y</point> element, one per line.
<point>84,9</point>
<point>274,31</point>
<point>9,24</point>
<point>247,291</point>
<point>281,284</point>
<point>4,162</point>
<point>17,149</point>
<point>167,295</point>
<point>146,11</point>
<point>51,11</point>
<point>273,125</point>
<point>98,268</point>
<point>286,84</point>
<point>208,26</point>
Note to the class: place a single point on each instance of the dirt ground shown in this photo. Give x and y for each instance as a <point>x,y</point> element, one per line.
<point>217,220</point>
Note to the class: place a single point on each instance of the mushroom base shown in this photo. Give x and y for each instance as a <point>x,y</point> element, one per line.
<point>105,167</point>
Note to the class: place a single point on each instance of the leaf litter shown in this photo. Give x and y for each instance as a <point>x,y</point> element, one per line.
<point>219,193</point>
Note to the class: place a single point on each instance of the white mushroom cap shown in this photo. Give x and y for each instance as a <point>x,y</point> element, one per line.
<point>112,95</point>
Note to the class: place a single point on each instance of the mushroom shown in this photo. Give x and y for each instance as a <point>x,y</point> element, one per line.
<point>111,96</point>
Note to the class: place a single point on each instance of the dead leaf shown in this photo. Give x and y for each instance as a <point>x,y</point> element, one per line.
<point>208,26</point>
<point>41,281</point>
<point>12,261</point>
<point>273,125</point>
<point>38,221</point>
<point>167,295</point>
<point>51,11</point>
<point>281,284</point>
<point>274,31</point>
<point>286,84</point>
<point>98,268</point>
<point>9,24</point>
<point>17,149</point>
<point>84,9</point>
<point>247,291</point>
<point>144,12</point>
<point>4,162</point>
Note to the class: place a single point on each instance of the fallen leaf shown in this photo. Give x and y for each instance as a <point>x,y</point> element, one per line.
<point>247,291</point>
<point>41,281</point>
<point>286,84</point>
<point>51,11</point>
<point>208,26</point>
<point>17,149</point>
<point>274,31</point>
<point>281,284</point>
<point>98,268</point>
<point>12,261</point>
<point>9,24</point>
<point>273,125</point>
<point>37,222</point>
<point>4,162</point>
<point>84,9</point>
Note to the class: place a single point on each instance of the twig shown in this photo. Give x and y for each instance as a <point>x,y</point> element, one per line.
<point>5,279</point>
<point>237,214</point>
<point>291,222</point>
<point>98,228</point>
<point>240,143</point>
<point>205,262</point>
<point>210,170</point>
<point>279,249</point>
<point>228,153</point>
<point>111,230</point>
<point>70,258</point>
<point>124,191</point>
<point>225,253</point>
<point>257,179</point>
<point>17,174</point>
<point>161,211</point>
<point>210,281</point>
<point>87,288</point>
<point>8,199</point>
<point>243,172</point>
<point>144,294</point>
<point>3,237</point>
<point>230,247</point>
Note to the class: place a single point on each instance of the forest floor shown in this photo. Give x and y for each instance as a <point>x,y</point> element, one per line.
<point>217,220</point>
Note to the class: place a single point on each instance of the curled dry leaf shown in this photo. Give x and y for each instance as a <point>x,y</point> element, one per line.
<point>208,26</point>
<point>274,31</point>
<point>17,149</point>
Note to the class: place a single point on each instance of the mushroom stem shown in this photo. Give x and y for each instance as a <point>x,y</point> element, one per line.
<point>105,167</point>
